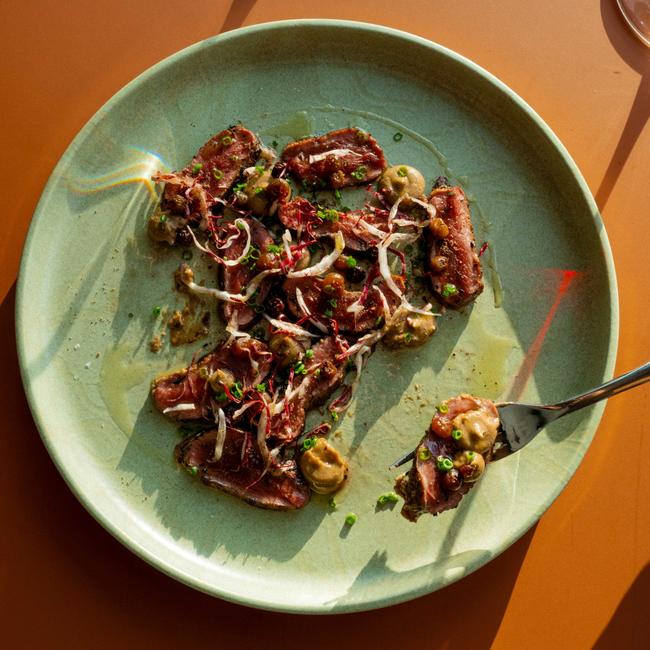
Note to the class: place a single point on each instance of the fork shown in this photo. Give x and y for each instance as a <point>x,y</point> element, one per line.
<point>520,423</point>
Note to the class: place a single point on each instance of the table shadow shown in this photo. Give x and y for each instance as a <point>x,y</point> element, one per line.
<point>637,56</point>
<point>237,13</point>
<point>629,626</point>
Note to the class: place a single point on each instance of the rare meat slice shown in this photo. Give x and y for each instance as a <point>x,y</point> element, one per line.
<point>189,194</point>
<point>422,486</point>
<point>359,228</point>
<point>241,471</point>
<point>236,278</point>
<point>325,371</point>
<point>336,159</point>
<point>354,311</point>
<point>189,393</point>
<point>452,263</point>
<point>451,456</point>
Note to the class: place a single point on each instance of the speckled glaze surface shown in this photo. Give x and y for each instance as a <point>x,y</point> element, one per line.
<point>89,280</point>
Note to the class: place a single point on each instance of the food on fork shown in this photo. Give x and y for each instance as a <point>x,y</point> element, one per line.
<point>451,457</point>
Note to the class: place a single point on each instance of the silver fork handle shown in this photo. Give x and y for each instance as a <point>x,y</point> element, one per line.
<point>613,387</point>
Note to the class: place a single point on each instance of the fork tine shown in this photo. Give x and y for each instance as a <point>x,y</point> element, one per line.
<point>403,459</point>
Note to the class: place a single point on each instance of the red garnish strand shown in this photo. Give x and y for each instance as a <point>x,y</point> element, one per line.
<point>342,401</point>
<point>334,325</point>
<point>304,319</point>
<point>483,249</point>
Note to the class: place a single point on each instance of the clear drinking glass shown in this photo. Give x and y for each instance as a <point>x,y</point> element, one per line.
<point>637,16</point>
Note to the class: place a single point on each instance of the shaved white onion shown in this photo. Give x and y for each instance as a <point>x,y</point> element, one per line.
<point>231,297</point>
<point>425,311</point>
<point>427,206</point>
<point>367,340</point>
<point>382,259</point>
<point>247,247</point>
<point>325,263</point>
<point>286,240</point>
<point>356,307</point>
<point>289,327</point>
<point>333,152</point>
<point>261,436</point>
<point>239,412</point>
<point>228,242</point>
<point>373,230</point>
<point>410,222</point>
<point>303,307</point>
<point>203,249</point>
<point>268,155</point>
<point>384,303</point>
<point>180,407</point>
<point>221,435</point>
<point>393,211</point>
<point>289,394</point>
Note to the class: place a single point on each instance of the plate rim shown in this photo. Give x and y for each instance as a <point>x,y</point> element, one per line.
<point>150,556</point>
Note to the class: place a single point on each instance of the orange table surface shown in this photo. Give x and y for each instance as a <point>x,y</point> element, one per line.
<point>579,578</point>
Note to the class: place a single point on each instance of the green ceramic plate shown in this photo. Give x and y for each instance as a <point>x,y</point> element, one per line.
<point>89,282</point>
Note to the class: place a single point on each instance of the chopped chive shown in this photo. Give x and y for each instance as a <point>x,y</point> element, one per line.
<point>379,321</point>
<point>389,497</point>
<point>260,387</point>
<point>193,470</point>
<point>187,255</point>
<point>308,443</point>
<point>274,144</point>
<point>220,396</point>
<point>217,173</point>
<point>309,354</point>
<point>333,302</point>
<point>350,519</point>
<point>259,169</point>
<point>299,368</point>
<point>203,372</point>
<point>408,337</point>
<point>156,311</point>
<point>163,218</point>
<point>329,313</point>
<point>334,415</point>
<point>331,502</point>
<point>239,187</point>
<point>327,214</point>
<point>351,261</point>
<point>456,434</point>
<point>402,172</point>
<point>317,372</point>
<point>226,140</point>
<point>359,173</point>
<point>273,248</point>
<point>424,454</point>
<point>236,390</point>
<point>398,136</point>
<point>197,168</point>
<point>337,194</point>
<point>442,408</point>
<point>449,290</point>
<point>469,455</point>
<point>444,464</point>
